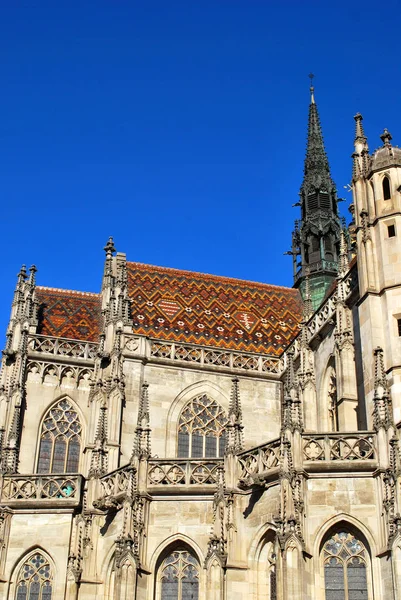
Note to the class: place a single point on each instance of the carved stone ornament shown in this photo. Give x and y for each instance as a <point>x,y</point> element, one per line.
<point>132,345</point>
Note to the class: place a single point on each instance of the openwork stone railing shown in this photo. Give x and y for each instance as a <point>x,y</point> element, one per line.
<point>62,347</point>
<point>259,460</point>
<point>116,482</point>
<point>339,447</point>
<point>179,472</point>
<point>57,489</point>
<point>219,358</point>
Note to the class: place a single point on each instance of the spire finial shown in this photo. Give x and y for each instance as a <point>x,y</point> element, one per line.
<point>359,132</point>
<point>386,137</point>
<point>109,247</point>
<point>312,89</point>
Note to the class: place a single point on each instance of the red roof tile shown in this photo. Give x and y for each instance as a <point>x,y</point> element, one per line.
<point>69,314</point>
<point>215,311</point>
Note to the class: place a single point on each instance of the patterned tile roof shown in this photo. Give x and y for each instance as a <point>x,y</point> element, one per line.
<point>216,311</point>
<point>69,314</point>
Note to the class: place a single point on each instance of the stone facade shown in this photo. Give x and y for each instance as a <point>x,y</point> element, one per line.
<point>150,467</point>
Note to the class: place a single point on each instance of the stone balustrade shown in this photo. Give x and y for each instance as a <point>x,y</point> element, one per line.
<point>180,472</point>
<point>24,490</point>
<point>117,482</point>
<point>258,461</point>
<point>213,357</point>
<point>61,347</point>
<point>339,447</point>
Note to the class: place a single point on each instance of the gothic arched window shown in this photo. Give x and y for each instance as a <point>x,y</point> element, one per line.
<point>35,579</point>
<point>345,562</point>
<point>179,576</point>
<point>60,440</point>
<point>201,429</point>
<point>386,188</point>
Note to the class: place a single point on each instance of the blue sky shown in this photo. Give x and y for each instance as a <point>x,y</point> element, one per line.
<point>178,127</point>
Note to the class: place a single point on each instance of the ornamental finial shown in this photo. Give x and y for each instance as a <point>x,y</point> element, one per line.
<point>109,247</point>
<point>312,89</point>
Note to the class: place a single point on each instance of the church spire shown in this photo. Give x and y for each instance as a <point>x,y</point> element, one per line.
<point>316,239</point>
<point>317,177</point>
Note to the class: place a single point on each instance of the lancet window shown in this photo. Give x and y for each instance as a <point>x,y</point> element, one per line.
<point>201,429</point>
<point>345,568</point>
<point>386,188</point>
<point>60,440</point>
<point>35,579</point>
<point>179,577</point>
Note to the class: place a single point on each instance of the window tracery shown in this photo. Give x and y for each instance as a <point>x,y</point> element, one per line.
<point>60,440</point>
<point>35,579</point>
<point>345,568</point>
<point>179,577</point>
<point>201,429</point>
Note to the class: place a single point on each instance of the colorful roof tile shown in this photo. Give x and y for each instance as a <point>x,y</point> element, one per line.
<point>196,308</point>
<point>69,314</point>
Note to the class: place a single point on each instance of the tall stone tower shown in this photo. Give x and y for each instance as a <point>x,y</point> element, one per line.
<point>316,237</point>
<point>376,185</point>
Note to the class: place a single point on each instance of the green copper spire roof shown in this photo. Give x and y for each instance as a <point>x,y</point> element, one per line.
<point>316,238</point>
<point>317,175</point>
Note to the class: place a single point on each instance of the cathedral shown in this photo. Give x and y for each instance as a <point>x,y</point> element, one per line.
<point>184,436</point>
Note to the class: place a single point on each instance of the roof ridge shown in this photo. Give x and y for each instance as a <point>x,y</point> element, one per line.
<point>53,289</point>
<point>212,276</point>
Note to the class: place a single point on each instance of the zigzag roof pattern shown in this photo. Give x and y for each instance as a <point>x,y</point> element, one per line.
<point>198,308</point>
<point>69,314</point>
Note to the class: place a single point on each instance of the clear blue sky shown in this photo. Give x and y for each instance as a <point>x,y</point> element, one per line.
<point>178,127</point>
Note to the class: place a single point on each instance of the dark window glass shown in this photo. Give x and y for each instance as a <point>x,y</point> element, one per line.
<point>59,456</point>
<point>273,585</point>
<point>35,590</point>
<point>399,326</point>
<point>210,446</point>
<point>21,591</point>
<point>73,455</point>
<point>386,188</point>
<point>222,444</point>
<point>391,230</point>
<point>47,591</point>
<point>197,446</point>
<point>45,451</point>
<point>183,445</point>
<point>357,581</point>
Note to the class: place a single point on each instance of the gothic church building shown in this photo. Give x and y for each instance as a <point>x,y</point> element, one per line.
<point>182,436</point>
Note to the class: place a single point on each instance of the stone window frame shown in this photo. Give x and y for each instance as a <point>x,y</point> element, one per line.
<point>22,562</point>
<point>185,422</point>
<point>42,431</point>
<point>180,548</point>
<point>348,529</point>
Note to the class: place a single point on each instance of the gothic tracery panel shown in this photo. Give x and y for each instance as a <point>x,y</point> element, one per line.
<point>35,579</point>
<point>179,577</point>
<point>345,568</point>
<point>60,440</point>
<point>201,429</point>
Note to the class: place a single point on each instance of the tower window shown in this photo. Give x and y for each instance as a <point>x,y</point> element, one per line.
<point>391,230</point>
<point>399,327</point>
<point>386,188</point>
